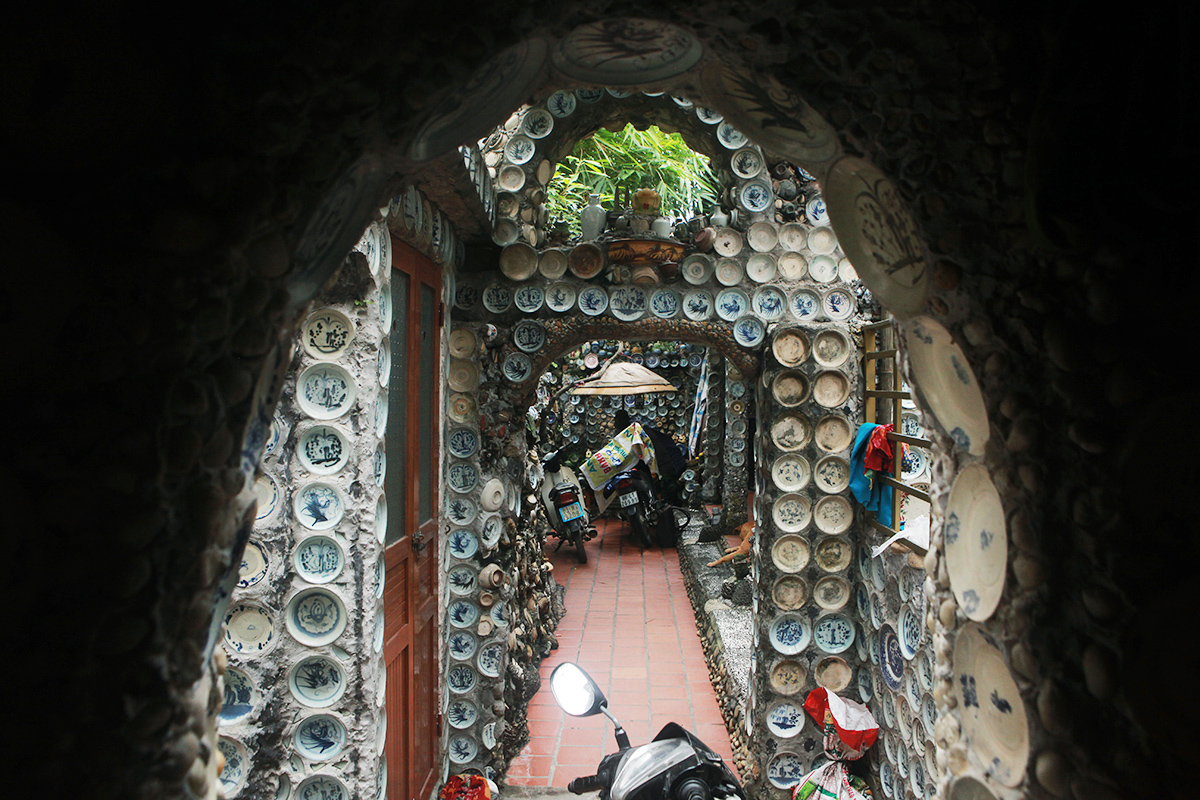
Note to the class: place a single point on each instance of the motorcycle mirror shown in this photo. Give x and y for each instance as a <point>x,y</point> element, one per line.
<point>575,691</point>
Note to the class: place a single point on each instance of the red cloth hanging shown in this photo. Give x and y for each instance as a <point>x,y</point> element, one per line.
<point>879,449</point>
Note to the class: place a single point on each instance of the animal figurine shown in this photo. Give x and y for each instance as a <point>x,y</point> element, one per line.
<point>746,532</point>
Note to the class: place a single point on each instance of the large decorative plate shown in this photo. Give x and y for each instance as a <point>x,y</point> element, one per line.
<point>729,272</point>
<point>789,388</point>
<point>831,348</point>
<point>625,51</point>
<point>537,123</point>
<point>785,770</point>
<point>461,645</point>
<point>746,163</point>
<point>833,434</point>
<point>787,677</point>
<point>761,268</point>
<point>319,506</point>
<point>319,737</point>
<point>462,543</point>
<point>834,553</point>
<point>562,104</point>
<point>944,378</point>
<point>833,514</point>
<point>323,450</point>
<point>832,593</point>
<point>462,613</point>
<point>462,476</point>
<point>785,719</point>
<point>831,388</point>
<point>790,347</point>
<point>832,475</point>
<point>461,713</point>
<point>318,559</point>
<point>731,304</point>
<point>463,376</point>
<point>696,268</point>
<point>805,304</point>
<point>463,749</point>
<point>316,617</point>
<point>791,512</point>
<point>664,303</point>
<point>698,305</point>
<point>838,304</point>
<point>749,331</point>
<point>325,391</point>
<point>756,196</point>
<point>560,297</point>
<point>990,706</point>
<point>327,334</point>
<point>789,634</point>
<point>529,335</point>
<point>517,261</point>
<point>253,567</point>
<point>462,442</point>
<point>976,542</point>
<point>823,269</point>
<point>239,699</point>
<point>789,592</point>
<point>834,633</point>
<point>593,300</point>
<point>249,629</point>
<point>728,242</point>
<point>491,659</point>
<point>790,433</point>
<point>461,511</point>
<point>790,553</point>
<point>891,660</point>
<point>585,261</point>
<point>497,298</point>
<point>790,472</point>
<point>627,303</point>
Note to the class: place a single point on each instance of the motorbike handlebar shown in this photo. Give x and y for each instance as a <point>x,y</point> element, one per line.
<point>585,784</point>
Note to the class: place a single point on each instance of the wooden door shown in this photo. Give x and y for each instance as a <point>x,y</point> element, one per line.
<point>410,594</point>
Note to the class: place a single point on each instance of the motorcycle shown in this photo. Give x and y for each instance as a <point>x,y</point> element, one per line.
<point>638,502</point>
<point>563,498</point>
<point>676,765</point>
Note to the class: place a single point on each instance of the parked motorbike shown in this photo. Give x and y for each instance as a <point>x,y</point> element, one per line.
<point>637,500</point>
<point>563,498</point>
<point>676,765</point>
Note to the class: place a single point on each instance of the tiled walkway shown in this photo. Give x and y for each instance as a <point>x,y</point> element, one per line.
<point>630,626</point>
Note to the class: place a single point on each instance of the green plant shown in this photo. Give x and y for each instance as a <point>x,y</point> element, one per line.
<point>608,164</point>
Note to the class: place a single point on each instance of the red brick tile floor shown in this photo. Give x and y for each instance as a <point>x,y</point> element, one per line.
<point>630,625</point>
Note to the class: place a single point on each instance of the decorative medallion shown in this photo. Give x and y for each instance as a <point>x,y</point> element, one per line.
<point>626,51</point>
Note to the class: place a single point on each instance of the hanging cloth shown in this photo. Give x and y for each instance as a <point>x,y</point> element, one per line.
<point>865,483</point>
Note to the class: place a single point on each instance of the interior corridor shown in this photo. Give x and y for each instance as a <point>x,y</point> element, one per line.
<point>630,625</point>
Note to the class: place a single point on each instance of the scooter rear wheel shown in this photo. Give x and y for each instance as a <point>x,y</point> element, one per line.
<point>577,540</point>
<point>638,522</point>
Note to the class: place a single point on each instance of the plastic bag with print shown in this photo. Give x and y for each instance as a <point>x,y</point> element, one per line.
<point>849,730</point>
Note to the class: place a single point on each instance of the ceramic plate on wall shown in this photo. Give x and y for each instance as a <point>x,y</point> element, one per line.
<point>698,305</point>
<point>319,737</point>
<point>462,543</point>
<point>537,123</point>
<point>491,659</point>
<point>790,553</point>
<point>249,629</point>
<point>833,633</point>
<point>462,613</point>
<point>822,269</point>
<point>461,511</point>
<point>789,388</point>
<point>599,52</point>
<point>462,580</point>
<point>790,472</point>
<point>790,347</point>
<point>664,303</point>
<point>696,269</point>
<point>945,380</point>
<point>729,272</point>
<point>318,559</point>
<point>838,304</point>
<point>749,331</point>
<point>789,592</point>
<point>976,542</point>
<point>805,304</point>
<point>323,450</point>
<point>789,634</point>
<point>792,237</point>
<point>317,681</point>
<point>517,367</point>
<point>232,777</point>
<point>791,513</point>
<point>462,376</point>
<point>239,699</point>
<point>627,303</point>
<point>728,242</point>
<point>316,617</point>
<point>791,266</point>
<point>560,297</point>
<point>746,163</point>
<point>833,434</point>
<point>462,476</point>
<point>833,673</point>
<point>787,677</point>
<point>327,334</point>
<point>461,713</point>
<point>756,196</point>
<point>891,660</point>
<point>552,264</point>
<point>785,770</point>
<point>821,240</point>
<point>518,262</point>
<point>991,709</point>
<point>497,298</point>
<point>785,719</point>
<point>325,391</point>
<point>593,300</point>
<point>731,304</point>
<point>730,136</point>
<point>319,506</point>
<point>462,343</point>
<point>866,685</point>
<point>912,631</point>
<point>832,593</point>
<point>790,432</point>
<point>562,104</point>
<point>585,261</point>
<point>831,388</point>
<point>529,335</point>
<point>831,348</point>
<point>462,407</point>
<point>833,514</point>
<point>769,303</point>
<point>461,645</point>
<point>490,530</point>
<point>511,179</point>
<point>253,567</point>
<point>462,442</point>
<point>761,237</point>
<point>834,553</point>
<point>832,474</point>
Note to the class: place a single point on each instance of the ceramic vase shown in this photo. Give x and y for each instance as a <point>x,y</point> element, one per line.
<point>592,218</point>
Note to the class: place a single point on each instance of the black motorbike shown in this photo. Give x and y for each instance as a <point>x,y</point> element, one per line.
<point>639,500</point>
<point>675,766</point>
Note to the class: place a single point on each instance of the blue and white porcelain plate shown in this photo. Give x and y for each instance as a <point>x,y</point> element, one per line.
<point>925,670</point>
<point>785,719</point>
<point>325,391</point>
<point>876,609</point>
<point>791,512</point>
<point>593,300</point>
<point>832,474</point>
<point>461,645</point>
<point>462,614</point>
<point>790,472</point>
<point>529,298</point>
<point>461,678</point>
<point>562,104</point>
<point>463,476</point>
<point>316,617</point>
<point>317,681</point>
<point>462,543</point>
<point>465,296</point>
<point>789,634</point>
<point>462,580</point>
<point>698,305</point>
<point>664,303</point>
<point>560,297</point>
<point>730,137</point>
<point>708,116</point>
<point>319,506</point>
<point>498,615</point>
<point>805,305</point>
<point>497,298</point>
<point>816,211</point>
<point>491,659</point>
<point>756,196</point>
<point>866,685</point>
<point>834,633</point>
<point>461,713</point>
<point>321,787</point>
<point>318,559</point>
<point>233,774</point>
<point>239,699</point>
<point>517,367</point>
<point>462,442</point>
<point>887,781</point>
<point>529,336</point>
<point>249,629</point>
<point>891,659</point>
<point>589,95</point>
<point>834,514</point>
<point>785,770</point>
<point>769,303</point>
<point>731,304</point>
<point>746,163</point>
<point>628,303</point>
<point>537,124</point>
<point>838,304</point>
<point>253,567</point>
<point>320,737</point>
<point>749,331</point>
<point>461,511</point>
<point>323,450</point>
<point>520,149</point>
<point>491,529</point>
<point>463,749</point>
<point>914,464</point>
<point>912,632</point>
